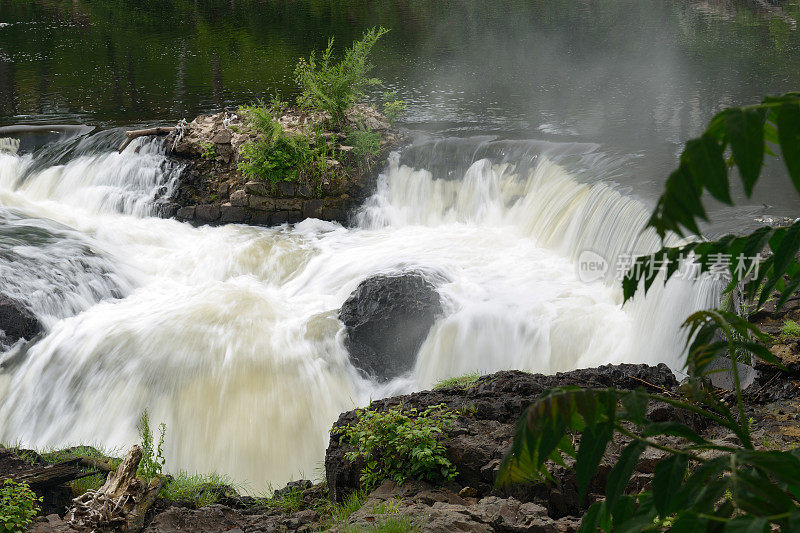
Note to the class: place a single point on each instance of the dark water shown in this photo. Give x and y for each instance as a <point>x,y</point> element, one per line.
<point>637,76</point>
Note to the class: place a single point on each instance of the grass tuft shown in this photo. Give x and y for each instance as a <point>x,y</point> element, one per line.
<point>197,489</point>
<point>790,329</point>
<point>350,505</point>
<point>391,524</point>
<point>463,382</point>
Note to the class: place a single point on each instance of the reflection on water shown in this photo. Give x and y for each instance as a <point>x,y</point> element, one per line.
<point>638,76</point>
<point>623,69</point>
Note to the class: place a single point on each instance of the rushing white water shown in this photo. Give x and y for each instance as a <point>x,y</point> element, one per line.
<point>230,334</point>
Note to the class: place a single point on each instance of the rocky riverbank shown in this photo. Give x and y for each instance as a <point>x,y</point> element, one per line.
<point>488,409</point>
<point>212,188</point>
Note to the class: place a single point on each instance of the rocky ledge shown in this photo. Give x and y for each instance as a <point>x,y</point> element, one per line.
<point>488,410</point>
<point>212,190</point>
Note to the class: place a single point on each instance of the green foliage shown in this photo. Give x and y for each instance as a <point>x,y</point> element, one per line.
<point>733,488</point>
<point>152,461</point>
<point>262,115</point>
<point>390,524</point>
<point>399,444</point>
<point>393,107</point>
<point>276,155</point>
<point>333,86</point>
<point>350,505</point>
<point>689,485</point>
<point>462,382</point>
<point>280,156</point>
<point>327,86</point>
<point>750,133</point>
<point>198,489</point>
<point>209,151</point>
<point>790,329</point>
<point>365,143</point>
<point>18,506</point>
<point>288,501</point>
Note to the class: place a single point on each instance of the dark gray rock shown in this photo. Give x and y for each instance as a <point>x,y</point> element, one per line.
<point>312,209</point>
<point>239,198</point>
<point>261,202</point>
<point>167,210</point>
<point>233,214</point>
<point>256,187</point>
<point>438,510</point>
<point>387,318</point>
<point>285,188</point>
<point>305,190</point>
<point>289,204</point>
<point>260,217</point>
<point>279,217</point>
<point>185,213</point>
<point>478,440</point>
<point>16,321</point>
<point>334,214</point>
<point>207,213</point>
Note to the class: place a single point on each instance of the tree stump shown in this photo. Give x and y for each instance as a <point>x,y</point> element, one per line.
<point>120,504</point>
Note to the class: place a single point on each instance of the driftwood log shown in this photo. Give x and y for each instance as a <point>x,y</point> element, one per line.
<point>135,134</point>
<point>121,503</point>
<point>46,476</point>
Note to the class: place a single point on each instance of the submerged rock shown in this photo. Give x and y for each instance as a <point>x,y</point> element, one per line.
<point>16,322</point>
<point>387,318</point>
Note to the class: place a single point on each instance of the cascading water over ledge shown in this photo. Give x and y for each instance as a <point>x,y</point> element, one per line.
<point>230,334</point>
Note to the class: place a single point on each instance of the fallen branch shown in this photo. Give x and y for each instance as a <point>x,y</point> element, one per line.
<point>90,462</point>
<point>42,477</point>
<point>135,134</point>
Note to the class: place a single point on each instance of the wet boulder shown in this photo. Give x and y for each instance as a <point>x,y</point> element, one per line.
<point>387,318</point>
<point>16,322</point>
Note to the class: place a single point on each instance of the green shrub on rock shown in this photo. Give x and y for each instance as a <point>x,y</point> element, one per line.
<point>393,107</point>
<point>365,143</point>
<point>276,155</point>
<point>399,444</point>
<point>18,506</point>
<point>328,89</point>
<point>333,86</point>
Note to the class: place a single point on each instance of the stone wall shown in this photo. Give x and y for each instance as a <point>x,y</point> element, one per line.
<point>255,204</point>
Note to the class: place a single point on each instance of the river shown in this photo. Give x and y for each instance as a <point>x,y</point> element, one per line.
<point>541,131</point>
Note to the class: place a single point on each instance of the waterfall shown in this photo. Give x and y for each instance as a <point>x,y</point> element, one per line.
<point>230,335</point>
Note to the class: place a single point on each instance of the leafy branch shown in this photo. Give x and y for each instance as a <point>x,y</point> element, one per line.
<point>735,488</point>
<point>751,133</point>
<point>763,485</point>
